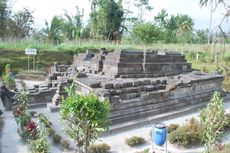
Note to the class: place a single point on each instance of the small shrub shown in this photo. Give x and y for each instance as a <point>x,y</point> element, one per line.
<point>191,133</point>
<point>99,148</point>
<point>39,146</point>
<point>179,136</point>
<point>172,127</point>
<point>43,119</point>
<point>56,139</point>
<point>134,141</point>
<point>212,118</point>
<point>195,131</point>
<point>65,144</point>
<point>51,131</point>
<point>8,77</point>
<point>227,121</point>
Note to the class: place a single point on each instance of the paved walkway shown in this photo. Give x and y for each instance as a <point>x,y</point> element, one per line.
<point>12,143</point>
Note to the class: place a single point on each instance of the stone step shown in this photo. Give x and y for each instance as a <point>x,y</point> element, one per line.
<point>138,102</point>
<point>136,123</point>
<point>149,112</point>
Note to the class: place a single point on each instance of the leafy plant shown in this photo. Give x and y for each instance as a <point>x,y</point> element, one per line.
<point>99,148</point>
<point>212,118</point>
<point>42,118</point>
<point>179,136</point>
<point>190,133</point>
<point>134,141</point>
<point>50,131</point>
<point>22,99</point>
<point>40,145</point>
<point>85,116</point>
<point>56,139</point>
<point>227,121</point>
<point>8,78</point>
<point>172,127</point>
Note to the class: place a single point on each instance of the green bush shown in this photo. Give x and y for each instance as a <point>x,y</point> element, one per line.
<point>99,148</point>
<point>213,119</point>
<point>56,139</point>
<point>172,127</point>
<point>179,136</point>
<point>191,133</point>
<point>134,141</point>
<point>227,121</point>
<point>51,131</point>
<point>8,77</point>
<point>39,146</point>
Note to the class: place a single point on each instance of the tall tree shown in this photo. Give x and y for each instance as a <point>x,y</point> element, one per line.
<point>146,33</point>
<point>3,17</point>
<point>54,30</point>
<point>109,18</point>
<point>73,24</point>
<point>143,6</point>
<point>21,24</point>
<point>161,18</point>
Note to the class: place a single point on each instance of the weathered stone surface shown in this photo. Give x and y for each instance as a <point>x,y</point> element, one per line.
<point>137,83</point>
<point>142,84</point>
<point>115,99</point>
<point>81,75</point>
<point>107,85</point>
<point>118,85</point>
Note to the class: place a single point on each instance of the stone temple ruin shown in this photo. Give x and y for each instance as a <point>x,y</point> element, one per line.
<point>139,84</point>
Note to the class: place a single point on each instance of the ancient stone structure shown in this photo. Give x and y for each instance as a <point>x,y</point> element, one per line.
<point>53,89</point>
<point>141,84</point>
<point>138,84</point>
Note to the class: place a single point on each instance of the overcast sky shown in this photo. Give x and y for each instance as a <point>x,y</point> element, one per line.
<point>46,9</point>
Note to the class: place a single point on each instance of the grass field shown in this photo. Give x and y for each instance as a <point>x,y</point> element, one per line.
<point>21,44</point>
<point>205,62</point>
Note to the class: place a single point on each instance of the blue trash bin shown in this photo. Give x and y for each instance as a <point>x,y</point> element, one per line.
<point>159,134</point>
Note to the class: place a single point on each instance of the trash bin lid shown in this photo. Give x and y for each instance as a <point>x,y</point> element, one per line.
<point>160,125</point>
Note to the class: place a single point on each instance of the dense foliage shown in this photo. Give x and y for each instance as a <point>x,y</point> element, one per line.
<point>213,120</point>
<point>85,117</point>
<point>135,141</point>
<point>19,24</point>
<point>109,20</point>
<point>8,77</point>
<point>189,134</point>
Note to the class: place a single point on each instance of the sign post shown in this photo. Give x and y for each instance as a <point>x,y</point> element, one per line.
<point>33,52</point>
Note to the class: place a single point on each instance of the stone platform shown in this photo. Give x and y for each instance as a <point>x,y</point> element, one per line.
<point>143,84</point>
<point>135,98</point>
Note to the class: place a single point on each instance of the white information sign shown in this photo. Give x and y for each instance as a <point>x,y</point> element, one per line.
<point>30,51</point>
